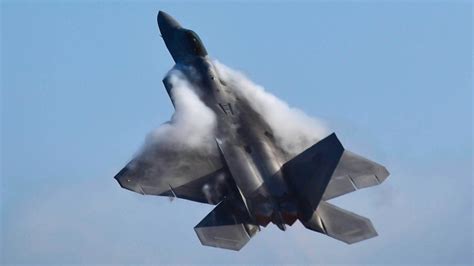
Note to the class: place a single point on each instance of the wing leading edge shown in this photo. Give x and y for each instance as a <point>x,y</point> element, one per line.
<point>186,173</point>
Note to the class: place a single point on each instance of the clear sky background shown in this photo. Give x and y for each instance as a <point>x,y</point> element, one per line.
<point>81,87</point>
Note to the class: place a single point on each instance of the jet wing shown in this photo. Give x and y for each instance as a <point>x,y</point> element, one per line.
<point>180,171</point>
<point>354,172</point>
<point>173,166</point>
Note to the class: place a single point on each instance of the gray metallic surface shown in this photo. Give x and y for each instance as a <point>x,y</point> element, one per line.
<point>252,179</point>
<point>227,226</point>
<point>340,224</point>
<point>354,172</point>
<point>140,175</point>
<point>242,167</point>
<point>310,172</point>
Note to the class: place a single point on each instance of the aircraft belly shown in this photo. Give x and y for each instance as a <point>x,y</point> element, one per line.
<point>268,162</point>
<point>246,175</point>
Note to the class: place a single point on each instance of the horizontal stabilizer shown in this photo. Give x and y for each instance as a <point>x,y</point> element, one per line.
<point>227,226</point>
<point>340,224</point>
<point>354,172</point>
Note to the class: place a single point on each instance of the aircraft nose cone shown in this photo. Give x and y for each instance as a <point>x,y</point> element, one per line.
<point>166,23</point>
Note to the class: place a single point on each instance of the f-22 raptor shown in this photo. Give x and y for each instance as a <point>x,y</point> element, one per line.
<point>250,178</point>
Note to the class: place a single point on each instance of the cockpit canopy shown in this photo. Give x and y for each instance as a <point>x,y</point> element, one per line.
<point>195,43</point>
<point>184,44</point>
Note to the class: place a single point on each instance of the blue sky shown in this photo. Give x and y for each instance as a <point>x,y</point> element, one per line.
<point>81,87</point>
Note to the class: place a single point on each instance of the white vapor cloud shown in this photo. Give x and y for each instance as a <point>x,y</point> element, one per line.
<point>293,129</point>
<point>193,123</point>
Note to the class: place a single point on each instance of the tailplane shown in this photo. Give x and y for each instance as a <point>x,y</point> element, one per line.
<point>324,171</point>
<point>227,226</point>
<point>340,224</point>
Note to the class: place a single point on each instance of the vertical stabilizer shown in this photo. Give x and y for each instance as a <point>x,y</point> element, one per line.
<point>310,172</point>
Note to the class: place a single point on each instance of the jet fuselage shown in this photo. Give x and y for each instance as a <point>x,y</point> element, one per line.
<point>244,136</point>
<point>241,134</point>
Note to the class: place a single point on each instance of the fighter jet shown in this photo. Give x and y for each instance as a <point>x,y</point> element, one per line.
<point>250,178</point>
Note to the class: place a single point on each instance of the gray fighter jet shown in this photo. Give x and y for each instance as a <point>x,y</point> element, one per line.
<point>250,178</point>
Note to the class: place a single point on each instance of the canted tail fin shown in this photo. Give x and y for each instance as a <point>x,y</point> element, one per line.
<point>325,171</point>
<point>310,172</point>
